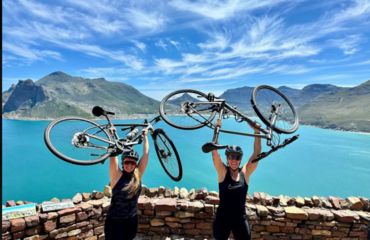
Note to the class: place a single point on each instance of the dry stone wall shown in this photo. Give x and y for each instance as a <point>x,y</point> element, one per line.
<point>182,214</point>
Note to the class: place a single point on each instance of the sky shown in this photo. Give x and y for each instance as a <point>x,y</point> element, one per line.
<point>164,45</point>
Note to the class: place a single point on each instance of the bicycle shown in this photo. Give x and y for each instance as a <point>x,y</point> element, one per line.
<point>189,109</point>
<point>84,142</point>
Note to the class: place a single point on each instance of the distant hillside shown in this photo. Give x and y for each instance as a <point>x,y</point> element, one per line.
<point>347,109</point>
<point>59,94</point>
<point>322,105</point>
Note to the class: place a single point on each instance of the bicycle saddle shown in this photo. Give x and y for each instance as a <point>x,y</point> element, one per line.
<point>210,146</point>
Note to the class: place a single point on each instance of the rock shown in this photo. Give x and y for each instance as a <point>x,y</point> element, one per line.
<point>183,193</point>
<point>165,204</point>
<point>313,213</point>
<point>283,200</point>
<point>201,194</point>
<point>345,216</point>
<point>316,201</point>
<point>299,201</point>
<point>17,225</point>
<point>67,211</point>
<point>81,216</point>
<point>212,200</point>
<point>174,225</point>
<point>74,232</point>
<point>144,203</point>
<point>5,226</point>
<point>152,192</point>
<point>295,213</point>
<point>157,222</point>
<point>256,197</point>
<point>308,202</point>
<point>365,202</point>
<point>144,190</point>
<point>108,191</point>
<point>167,193</point>
<point>262,211</point>
<point>161,191</point>
<point>325,214</point>
<point>325,202</point>
<point>195,206</point>
<point>55,200</point>
<point>204,225</point>
<point>77,198</point>
<point>32,221</point>
<point>86,197</point>
<point>213,193</point>
<point>335,202</point>
<point>276,211</point>
<point>106,206</point>
<point>85,206</point>
<point>97,195</point>
<point>182,214</point>
<point>98,230</point>
<point>52,215</point>
<point>321,232</point>
<point>191,194</point>
<point>209,208</point>
<point>275,201</point>
<point>355,203</point>
<point>19,203</point>
<point>68,218</point>
<point>175,192</point>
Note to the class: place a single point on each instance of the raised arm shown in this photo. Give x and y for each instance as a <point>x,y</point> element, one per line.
<point>217,162</point>
<point>114,171</point>
<point>144,159</point>
<point>250,167</point>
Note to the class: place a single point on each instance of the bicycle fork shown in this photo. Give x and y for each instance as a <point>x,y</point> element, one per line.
<point>273,116</point>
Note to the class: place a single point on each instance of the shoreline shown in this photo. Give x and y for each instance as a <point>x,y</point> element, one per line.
<point>139,116</point>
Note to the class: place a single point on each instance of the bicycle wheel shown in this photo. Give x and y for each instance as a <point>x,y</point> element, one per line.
<point>167,154</point>
<point>264,99</point>
<point>77,140</point>
<point>186,109</point>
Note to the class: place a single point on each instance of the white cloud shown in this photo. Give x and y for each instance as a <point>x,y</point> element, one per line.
<point>139,45</point>
<point>152,21</point>
<point>349,45</point>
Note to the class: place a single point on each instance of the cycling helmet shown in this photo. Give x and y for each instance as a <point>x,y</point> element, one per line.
<point>130,154</point>
<point>234,149</point>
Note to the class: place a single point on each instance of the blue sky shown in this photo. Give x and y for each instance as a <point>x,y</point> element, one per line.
<point>160,46</point>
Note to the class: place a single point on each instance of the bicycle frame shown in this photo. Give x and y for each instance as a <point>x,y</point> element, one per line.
<point>115,137</point>
<point>222,105</point>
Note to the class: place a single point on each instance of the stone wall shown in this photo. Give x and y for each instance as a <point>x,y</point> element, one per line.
<point>179,214</point>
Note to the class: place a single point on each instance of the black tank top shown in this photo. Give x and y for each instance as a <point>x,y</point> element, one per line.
<point>122,206</point>
<point>233,195</point>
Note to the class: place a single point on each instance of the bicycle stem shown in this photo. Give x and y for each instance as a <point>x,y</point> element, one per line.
<point>217,128</point>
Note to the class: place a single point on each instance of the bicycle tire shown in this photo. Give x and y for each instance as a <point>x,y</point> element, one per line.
<point>165,117</point>
<point>259,110</point>
<point>160,135</point>
<point>52,147</point>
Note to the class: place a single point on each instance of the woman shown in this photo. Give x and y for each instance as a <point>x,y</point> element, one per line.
<point>121,222</point>
<point>233,184</point>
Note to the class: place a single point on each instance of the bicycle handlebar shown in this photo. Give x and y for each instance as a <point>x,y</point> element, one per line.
<point>274,148</point>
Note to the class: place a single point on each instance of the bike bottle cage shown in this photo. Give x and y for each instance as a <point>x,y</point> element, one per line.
<point>210,146</point>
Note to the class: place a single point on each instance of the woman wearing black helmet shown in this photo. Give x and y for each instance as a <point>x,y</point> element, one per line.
<point>121,222</point>
<point>233,184</point>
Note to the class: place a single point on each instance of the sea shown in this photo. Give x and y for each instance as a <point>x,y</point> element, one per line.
<point>321,162</point>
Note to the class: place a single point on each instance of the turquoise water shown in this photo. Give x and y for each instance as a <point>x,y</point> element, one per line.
<point>322,162</point>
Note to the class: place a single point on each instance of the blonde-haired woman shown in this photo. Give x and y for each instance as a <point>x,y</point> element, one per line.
<point>121,222</point>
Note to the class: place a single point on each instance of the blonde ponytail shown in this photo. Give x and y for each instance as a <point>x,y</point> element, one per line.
<point>133,186</point>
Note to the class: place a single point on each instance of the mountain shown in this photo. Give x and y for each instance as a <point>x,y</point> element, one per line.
<point>347,109</point>
<point>322,105</point>
<point>59,94</point>
<point>184,98</point>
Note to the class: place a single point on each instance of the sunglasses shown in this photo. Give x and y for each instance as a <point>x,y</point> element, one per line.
<point>234,157</point>
<point>129,163</point>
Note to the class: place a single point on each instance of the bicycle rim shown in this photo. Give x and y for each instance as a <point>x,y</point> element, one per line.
<point>263,99</point>
<point>167,155</point>
<point>186,109</point>
<point>61,139</point>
